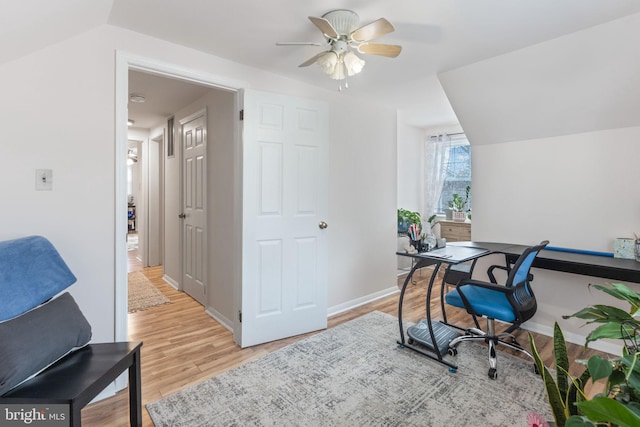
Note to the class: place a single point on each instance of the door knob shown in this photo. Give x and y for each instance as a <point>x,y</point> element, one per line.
<point>182,216</point>
<point>322,225</point>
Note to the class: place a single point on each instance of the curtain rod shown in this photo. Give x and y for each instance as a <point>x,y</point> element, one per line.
<point>447,134</point>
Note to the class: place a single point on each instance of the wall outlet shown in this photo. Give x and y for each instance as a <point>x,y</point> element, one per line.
<point>44,180</point>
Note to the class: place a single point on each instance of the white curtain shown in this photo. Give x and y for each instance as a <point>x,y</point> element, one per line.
<point>436,153</point>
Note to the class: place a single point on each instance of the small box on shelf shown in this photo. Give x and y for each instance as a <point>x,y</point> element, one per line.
<point>624,248</point>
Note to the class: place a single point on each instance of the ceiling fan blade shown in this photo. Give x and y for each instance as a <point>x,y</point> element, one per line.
<point>297,44</point>
<point>373,30</point>
<point>324,26</point>
<point>312,60</point>
<point>388,50</point>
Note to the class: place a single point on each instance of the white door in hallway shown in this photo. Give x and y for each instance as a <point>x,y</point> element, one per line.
<point>285,200</point>
<point>194,195</point>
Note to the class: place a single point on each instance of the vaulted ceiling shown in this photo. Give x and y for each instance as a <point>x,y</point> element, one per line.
<point>436,36</point>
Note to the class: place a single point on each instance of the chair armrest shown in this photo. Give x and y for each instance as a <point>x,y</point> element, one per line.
<point>487,285</point>
<point>493,267</point>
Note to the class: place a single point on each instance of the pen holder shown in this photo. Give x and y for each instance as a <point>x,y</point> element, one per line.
<point>417,244</point>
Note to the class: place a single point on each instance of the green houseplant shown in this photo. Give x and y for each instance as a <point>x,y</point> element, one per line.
<point>619,403</point>
<point>406,218</point>
<point>459,205</point>
<point>563,391</point>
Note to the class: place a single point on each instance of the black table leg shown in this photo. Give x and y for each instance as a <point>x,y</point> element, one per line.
<point>435,354</point>
<point>135,396</point>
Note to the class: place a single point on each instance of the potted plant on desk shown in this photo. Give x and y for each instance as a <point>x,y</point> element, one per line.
<point>406,218</point>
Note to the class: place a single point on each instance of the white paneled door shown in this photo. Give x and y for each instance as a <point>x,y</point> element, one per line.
<point>285,197</point>
<point>194,243</point>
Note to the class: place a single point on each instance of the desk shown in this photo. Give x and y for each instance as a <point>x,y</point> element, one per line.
<point>626,270</point>
<point>437,335</point>
<point>80,376</point>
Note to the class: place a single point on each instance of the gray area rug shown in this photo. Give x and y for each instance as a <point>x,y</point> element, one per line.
<point>354,375</point>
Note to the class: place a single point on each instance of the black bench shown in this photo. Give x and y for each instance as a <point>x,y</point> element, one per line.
<point>80,376</point>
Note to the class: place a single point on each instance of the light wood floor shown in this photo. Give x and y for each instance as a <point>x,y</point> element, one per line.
<point>184,346</point>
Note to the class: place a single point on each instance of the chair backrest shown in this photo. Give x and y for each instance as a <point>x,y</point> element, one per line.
<point>520,270</point>
<point>522,299</point>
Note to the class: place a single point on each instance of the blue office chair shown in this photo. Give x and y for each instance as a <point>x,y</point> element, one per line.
<point>513,302</point>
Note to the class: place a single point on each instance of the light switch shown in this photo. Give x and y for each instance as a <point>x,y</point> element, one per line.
<point>44,180</point>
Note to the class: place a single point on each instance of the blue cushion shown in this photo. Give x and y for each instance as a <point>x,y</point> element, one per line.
<point>484,302</point>
<point>31,272</point>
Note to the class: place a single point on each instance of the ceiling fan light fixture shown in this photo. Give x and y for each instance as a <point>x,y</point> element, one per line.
<point>328,62</point>
<point>353,63</point>
<point>345,38</point>
<point>338,72</point>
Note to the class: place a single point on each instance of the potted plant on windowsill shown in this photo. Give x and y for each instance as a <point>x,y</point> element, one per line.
<point>459,205</point>
<point>619,403</point>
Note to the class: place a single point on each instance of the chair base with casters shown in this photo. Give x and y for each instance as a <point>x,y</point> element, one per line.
<point>512,303</point>
<point>491,338</point>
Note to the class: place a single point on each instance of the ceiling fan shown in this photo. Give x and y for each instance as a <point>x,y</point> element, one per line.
<point>344,36</point>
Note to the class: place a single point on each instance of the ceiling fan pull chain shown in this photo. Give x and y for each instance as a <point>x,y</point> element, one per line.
<point>346,76</point>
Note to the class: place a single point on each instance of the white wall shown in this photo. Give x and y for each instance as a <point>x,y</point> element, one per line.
<point>66,92</point>
<point>362,201</point>
<point>410,164</point>
<point>578,190</point>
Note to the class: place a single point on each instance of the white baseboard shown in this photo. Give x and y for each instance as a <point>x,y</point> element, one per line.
<point>606,346</point>
<point>175,285</point>
<point>218,317</point>
<point>340,308</point>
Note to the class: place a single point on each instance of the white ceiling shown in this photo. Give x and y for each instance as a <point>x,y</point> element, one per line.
<point>163,97</point>
<point>436,35</point>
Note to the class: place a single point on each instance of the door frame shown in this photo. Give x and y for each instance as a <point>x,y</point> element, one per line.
<point>124,62</point>
<point>157,216</point>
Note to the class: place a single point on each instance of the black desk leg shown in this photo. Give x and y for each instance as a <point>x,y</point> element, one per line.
<point>135,393</point>
<point>435,354</point>
<point>418,264</point>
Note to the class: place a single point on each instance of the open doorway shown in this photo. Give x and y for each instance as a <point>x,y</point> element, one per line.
<point>152,174</point>
<point>156,76</point>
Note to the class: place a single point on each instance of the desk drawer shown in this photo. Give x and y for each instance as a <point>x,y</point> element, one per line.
<point>455,231</point>
<point>465,233</point>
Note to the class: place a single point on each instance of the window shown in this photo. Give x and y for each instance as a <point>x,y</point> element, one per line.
<point>458,172</point>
